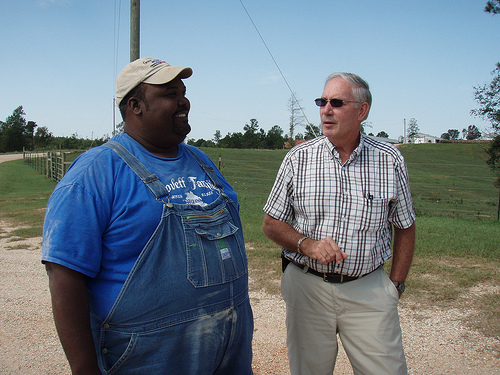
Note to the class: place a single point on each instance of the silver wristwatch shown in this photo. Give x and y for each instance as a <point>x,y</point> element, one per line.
<point>399,286</point>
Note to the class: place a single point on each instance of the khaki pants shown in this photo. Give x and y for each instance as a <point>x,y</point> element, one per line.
<point>363,312</point>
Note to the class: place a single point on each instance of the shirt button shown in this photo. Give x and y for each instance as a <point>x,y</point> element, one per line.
<point>106,326</point>
<point>105,351</point>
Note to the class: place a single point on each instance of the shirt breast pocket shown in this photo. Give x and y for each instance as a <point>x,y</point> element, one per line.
<point>372,213</point>
<point>215,249</point>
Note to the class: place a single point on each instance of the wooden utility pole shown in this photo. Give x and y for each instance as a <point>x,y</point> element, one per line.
<point>135,29</point>
<point>404,131</point>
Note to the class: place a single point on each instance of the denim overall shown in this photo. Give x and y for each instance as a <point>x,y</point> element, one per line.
<point>184,307</point>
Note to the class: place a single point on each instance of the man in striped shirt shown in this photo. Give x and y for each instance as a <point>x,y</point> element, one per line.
<point>335,204</point>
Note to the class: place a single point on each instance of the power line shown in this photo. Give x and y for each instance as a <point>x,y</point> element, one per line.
<point>277,66</point>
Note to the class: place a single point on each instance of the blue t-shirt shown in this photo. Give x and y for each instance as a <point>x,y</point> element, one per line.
<point>101,215</point>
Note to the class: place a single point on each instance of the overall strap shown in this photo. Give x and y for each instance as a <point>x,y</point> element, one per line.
<point>208,169</point>
<point>152,181</point>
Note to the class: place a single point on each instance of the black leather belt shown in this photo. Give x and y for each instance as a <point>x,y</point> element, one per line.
<point>329,277</point>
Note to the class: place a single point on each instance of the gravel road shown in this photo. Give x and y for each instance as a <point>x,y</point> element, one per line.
<point>436,341</point>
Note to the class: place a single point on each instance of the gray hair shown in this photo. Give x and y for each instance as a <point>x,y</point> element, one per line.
<point>360,88</point>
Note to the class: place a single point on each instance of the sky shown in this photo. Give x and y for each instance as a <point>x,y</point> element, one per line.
<point>59,59</point>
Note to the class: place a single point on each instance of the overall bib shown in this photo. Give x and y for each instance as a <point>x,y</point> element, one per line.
<point>184,307</point>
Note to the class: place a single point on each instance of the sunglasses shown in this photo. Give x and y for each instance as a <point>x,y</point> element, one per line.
<point>321,102</point>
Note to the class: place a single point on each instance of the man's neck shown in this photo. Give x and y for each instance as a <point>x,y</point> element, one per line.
<point>345,148</point>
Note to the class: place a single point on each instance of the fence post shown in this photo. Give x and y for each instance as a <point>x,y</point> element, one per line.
<point>63,165</point>
<point>498,212</point>
<point>48,164</point>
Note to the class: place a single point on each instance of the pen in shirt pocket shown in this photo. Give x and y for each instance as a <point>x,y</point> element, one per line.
<point>370,198</point>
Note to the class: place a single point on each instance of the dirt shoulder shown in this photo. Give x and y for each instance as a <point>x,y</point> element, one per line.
<point>436,341</point>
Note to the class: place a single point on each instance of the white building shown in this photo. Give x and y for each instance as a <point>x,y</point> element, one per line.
<point>425,138</point>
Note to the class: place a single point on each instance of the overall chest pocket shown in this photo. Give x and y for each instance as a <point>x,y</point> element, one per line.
<point>215,249</point>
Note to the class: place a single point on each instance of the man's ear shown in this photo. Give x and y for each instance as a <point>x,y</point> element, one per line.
<point>135,105</point>
<point>364,108</point>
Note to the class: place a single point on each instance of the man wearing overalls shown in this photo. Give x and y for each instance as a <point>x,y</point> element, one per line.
<point>144,248</point>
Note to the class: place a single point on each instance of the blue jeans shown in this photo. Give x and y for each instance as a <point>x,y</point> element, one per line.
<point>184,308</point>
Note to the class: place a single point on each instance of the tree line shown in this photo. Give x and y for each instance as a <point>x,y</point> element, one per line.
<point>18,134</point>
<point>255,137</point>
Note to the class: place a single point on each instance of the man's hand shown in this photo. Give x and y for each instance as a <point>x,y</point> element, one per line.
<point>325,251</point>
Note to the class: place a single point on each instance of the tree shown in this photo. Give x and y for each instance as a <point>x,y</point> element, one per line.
<point>488,97</point>
<point>494,162</point>
<point>473,133</point>
<point>382,134</point>
<point>232,140</point>
<point>413,129</point>
<point>445,136</point>
<point>42,137</point>
<point>275,138</point>
<point>13,131</point>
<point>217,137</point>
<point>30,130</point>
<point>296,117</point>
<point>493,152</point>
<point>251,137</point>
<point>312,131</point>
<point>451,134</point>
<point>492,6</point>
<point>454,133</point>
<point>201,143</point>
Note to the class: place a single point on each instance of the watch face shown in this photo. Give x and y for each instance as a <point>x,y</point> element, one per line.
<point>399,286</point>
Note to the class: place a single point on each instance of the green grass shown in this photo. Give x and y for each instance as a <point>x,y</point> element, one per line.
<point>451,180</point>
<point>457,258</point>
<point>23,197</point>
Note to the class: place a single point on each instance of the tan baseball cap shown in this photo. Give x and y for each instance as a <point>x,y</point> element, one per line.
<point>147,70</point>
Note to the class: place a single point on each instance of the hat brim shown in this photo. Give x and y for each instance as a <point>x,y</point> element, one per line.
<point>168,74</point>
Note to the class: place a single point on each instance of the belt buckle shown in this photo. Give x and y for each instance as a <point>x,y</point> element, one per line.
<point>325,278</point>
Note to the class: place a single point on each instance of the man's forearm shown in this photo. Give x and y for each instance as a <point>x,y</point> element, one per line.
<point>403,249</point>
<point>325,250</point>
<point>280,232</point>
<point>72,318</point>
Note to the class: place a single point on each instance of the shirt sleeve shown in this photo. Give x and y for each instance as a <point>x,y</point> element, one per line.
<point>279,204</point>
<point>402,215</point>
<point>72,234</point>
<point>77,217</point>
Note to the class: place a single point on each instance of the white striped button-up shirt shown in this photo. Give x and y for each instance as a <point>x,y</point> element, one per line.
<point>355,203</point>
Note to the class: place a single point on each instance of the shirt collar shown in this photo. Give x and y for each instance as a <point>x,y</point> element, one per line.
<point>355,154</point>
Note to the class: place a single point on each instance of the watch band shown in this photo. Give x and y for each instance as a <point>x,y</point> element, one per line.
<point>300,243</point>
<point>399,286</point>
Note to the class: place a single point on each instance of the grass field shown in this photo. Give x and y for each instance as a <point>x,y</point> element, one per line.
<point>458,237</point>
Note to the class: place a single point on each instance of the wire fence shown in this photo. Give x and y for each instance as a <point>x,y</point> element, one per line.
<point>456,198</point>
<point>52,164</point>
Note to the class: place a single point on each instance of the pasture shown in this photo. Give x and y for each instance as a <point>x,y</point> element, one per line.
<point>457,256</point>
